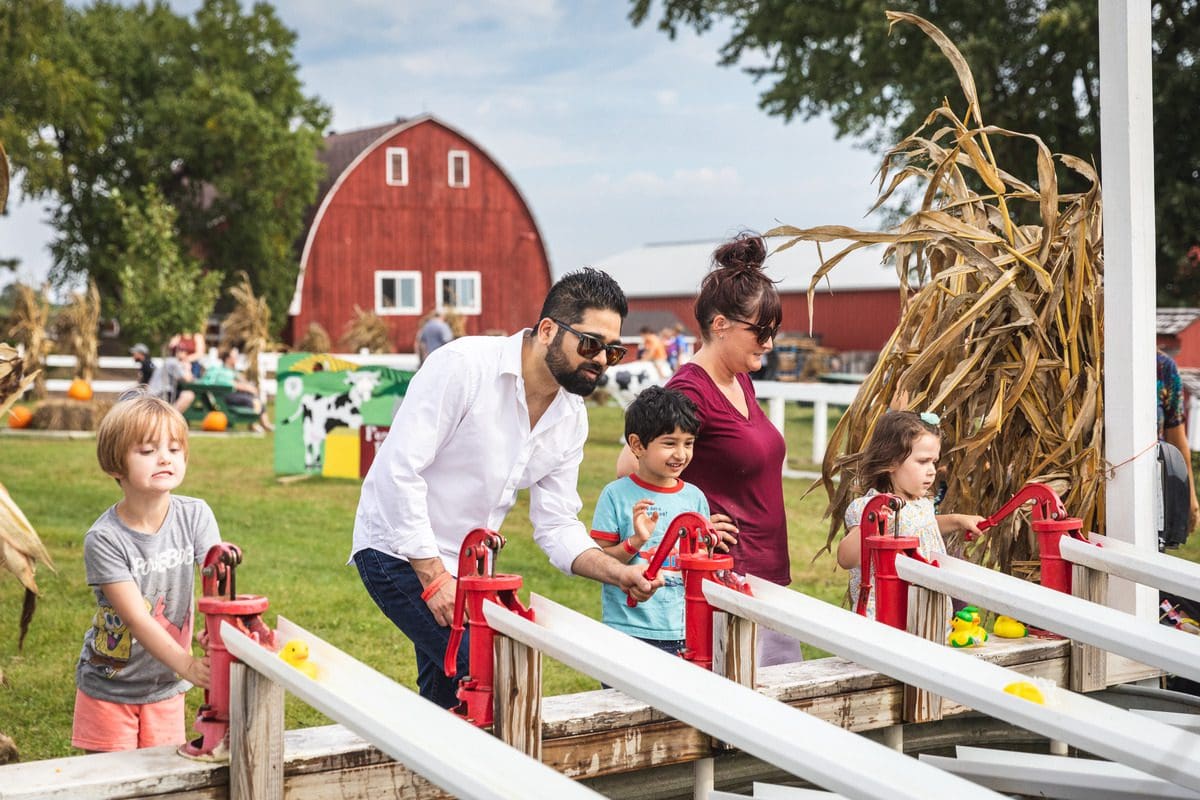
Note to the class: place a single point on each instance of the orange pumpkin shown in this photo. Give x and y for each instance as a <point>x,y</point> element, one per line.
<point>215,421</point>
<point>19,417</point>
<point>80,390</point>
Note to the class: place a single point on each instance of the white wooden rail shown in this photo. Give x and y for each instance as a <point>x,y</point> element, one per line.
<point>1042,775</point>
<point>444,749</point>
<point>1096,727</point>
<point>1115,631</point>
<point>786,737</point>
<point>1149,568</point>
<point>821,395</point>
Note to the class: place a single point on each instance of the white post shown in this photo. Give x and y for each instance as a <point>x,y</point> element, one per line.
<point>820,430</point>
<point>1126,128</point>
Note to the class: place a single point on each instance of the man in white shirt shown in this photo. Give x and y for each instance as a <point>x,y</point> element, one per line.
<point>484,417</point>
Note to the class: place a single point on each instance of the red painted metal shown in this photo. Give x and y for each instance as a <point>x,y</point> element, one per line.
<point>1050,523</point>
<point>477,582</point>
<point>696,540</point>
<point>880,546</point>
<point>219,603</point>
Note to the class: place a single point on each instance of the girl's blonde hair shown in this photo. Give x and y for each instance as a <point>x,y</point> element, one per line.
<point>133,421</point>
<point>891,443</point>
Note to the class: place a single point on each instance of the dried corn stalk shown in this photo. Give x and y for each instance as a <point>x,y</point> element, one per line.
<point>79,330</point>
<point>366,331</point>
<point>13,379</point>
<point>316,340</point>
<point>249,324</point>
<point>27,326</point>
<point>1003,337</point>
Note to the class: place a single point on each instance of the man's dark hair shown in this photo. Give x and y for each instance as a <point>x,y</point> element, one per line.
<point>658,411</point>
<point>576,292</point>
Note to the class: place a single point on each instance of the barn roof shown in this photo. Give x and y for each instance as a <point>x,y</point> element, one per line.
<point>1170,321</point>
<point>674,269</point>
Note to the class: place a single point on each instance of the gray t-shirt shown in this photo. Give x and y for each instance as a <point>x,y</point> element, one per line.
<point>113,666</point>
<point>434,334</point>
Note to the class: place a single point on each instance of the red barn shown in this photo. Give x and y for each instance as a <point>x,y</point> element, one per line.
<point>1179,335</point>
<point>413,216</point>
<point>857,308</point>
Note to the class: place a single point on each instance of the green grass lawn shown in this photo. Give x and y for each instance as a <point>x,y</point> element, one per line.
<point>295,538</point>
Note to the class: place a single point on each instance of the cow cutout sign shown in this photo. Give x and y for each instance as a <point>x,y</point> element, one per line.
<point>313,400</point>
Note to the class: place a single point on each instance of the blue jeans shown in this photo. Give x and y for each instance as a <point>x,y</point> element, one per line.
<point>396,589</point>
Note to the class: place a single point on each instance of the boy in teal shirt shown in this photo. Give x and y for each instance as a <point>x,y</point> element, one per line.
<point>633,512</point>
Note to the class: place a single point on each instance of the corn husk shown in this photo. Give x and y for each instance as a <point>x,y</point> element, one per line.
<point>366,332</point>
<point>248,325</point>
<point>78,326</point>
<point>1000,334</point>
<point>14,381</point>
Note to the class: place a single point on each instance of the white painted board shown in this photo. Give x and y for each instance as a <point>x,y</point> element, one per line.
<point>1096,727</point>
<point>772,731</point>
<point>1147,567</point>
<point>1042,775</point>
<point>439,746</point>
<point>1144,641</point>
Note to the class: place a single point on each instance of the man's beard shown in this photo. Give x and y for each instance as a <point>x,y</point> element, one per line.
<point>582,380</point>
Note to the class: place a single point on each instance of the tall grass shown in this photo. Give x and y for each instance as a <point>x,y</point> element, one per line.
<point>295,538</point>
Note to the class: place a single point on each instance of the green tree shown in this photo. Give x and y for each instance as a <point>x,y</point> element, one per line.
<point>166,290</point>
<point>1036,65</point>
<point>207,109</point>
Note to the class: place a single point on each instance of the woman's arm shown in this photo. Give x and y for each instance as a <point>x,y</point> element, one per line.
<point>130,606</point>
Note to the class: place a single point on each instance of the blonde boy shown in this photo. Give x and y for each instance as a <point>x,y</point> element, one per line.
<point>137,657</point>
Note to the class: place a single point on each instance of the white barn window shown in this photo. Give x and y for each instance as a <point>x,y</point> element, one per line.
<point>460,290</point>
<point>460,169</point>
<point>397,292</point>
<point>397,166</point>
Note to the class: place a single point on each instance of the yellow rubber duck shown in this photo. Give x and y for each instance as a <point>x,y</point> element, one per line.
<point>1026,691</point>
<point>295,652</point>
<point>965,632</point>
<point>979,631</point>
<point>1009,628</point>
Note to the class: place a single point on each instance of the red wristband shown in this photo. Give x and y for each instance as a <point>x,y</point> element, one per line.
<point>434,585</point>
<point>628,547</point>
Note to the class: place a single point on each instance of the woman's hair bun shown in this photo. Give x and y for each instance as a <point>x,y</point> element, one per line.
<point>746,251</point>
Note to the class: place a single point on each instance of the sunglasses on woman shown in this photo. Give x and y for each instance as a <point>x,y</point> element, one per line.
<point>761,332</point>
<point>590,346</point>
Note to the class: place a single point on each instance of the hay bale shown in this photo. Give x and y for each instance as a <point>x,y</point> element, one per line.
<point>69,415</point>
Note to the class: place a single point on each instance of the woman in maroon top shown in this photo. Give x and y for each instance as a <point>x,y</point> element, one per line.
<point>738,456</point>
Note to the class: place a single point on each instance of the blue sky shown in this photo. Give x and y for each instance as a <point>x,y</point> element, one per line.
<point>617,136</point>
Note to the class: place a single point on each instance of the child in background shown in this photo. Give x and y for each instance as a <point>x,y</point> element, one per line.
<point>137,657</point>
<point>900,459</point>
<point>633,512</point>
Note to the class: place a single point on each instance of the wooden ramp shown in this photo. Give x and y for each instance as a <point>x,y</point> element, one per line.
<point>783,736</point>
<point>1122,559</point>
<point>1112,630</point>
<point>447,751</point>
<point>1096,727</point>
<point>1041,775</point>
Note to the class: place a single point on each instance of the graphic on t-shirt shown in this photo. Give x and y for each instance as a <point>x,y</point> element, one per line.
<point>112,642</point>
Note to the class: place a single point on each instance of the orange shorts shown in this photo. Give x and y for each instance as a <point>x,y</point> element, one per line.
<point>102,726</point>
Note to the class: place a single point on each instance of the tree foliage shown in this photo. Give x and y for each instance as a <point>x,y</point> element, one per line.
<point>1036,65</point>
<point>166,291</point>
<point>104,100</point>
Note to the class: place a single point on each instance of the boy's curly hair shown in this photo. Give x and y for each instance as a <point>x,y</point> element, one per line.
<point>658,411</point>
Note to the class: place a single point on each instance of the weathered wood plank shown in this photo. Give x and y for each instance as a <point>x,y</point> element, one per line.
<point>255,735</point>
<point>518,696</point>
<point>927,614</point>
<point>1088,662</point>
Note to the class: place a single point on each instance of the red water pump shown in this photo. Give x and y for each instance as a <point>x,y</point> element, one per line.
<point>478,581</point>
<point>1050,523</point>
<point>698,561</point>
<point>219,603</point>
<point>880,546</point>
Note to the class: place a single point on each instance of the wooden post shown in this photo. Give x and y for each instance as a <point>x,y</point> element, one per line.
<point>255,735</point>
<point>928,613</point>
<point>734,641</point>
<point>518,688</point>
<point>1088,662</point>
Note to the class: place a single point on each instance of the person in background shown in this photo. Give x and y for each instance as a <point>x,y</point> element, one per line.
<point>1172,425</point>
<point>225,373</point>
<point>671,344</point>
<point>653,350</point>
<point>484,418</point>
<point>141,355</point>
<point>433,334</point>
<point>140,558</point>
<point>738,458</point>
<point>190,349</point>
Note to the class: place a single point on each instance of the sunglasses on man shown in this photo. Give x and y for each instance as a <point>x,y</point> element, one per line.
<point>590,346</point>
<point>761,332</point>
